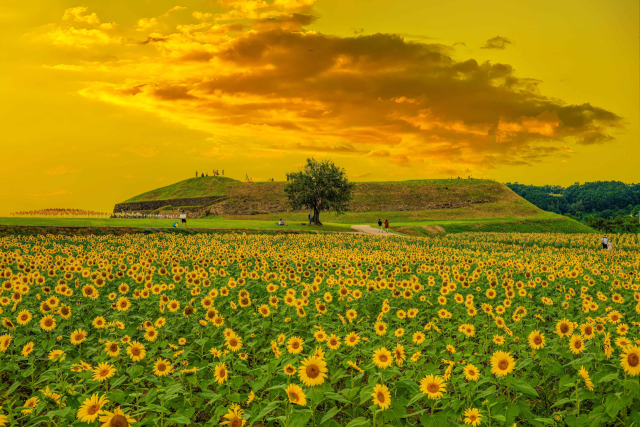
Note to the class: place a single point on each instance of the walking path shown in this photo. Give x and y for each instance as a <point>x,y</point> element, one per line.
<point>367,229</point>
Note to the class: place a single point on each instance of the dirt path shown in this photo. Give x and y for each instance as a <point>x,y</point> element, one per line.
<point>367,229</point>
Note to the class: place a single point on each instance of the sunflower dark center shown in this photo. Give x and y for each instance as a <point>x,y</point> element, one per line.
<point>313,371</point>
<point>503,364</point>
<point>93,409</point>
<point>118,421</point>
<point>632,360</point>
<point>537,339</point>
<point>433,388</point>
<point>381,397</point>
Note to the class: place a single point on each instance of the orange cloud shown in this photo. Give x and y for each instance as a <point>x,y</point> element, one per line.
<point>254,79</point>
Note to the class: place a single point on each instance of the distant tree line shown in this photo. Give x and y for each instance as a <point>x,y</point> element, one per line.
<point>603,205</point>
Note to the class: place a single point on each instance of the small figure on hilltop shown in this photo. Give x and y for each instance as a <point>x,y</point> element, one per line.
<point>196,174</point>
<point>183,218</point>
<point>379,226</point>
<point>605,242</point>
<point>386,225</point>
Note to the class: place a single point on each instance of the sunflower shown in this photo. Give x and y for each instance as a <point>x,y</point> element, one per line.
<point>24,317</point>
<point>333,342</point>
<point>399,354</point>
<point>112,348</point>
<point>117,418</point>
<point>27,349</point>
<point>296,395</point>
<point>103,371</point>
<point>91,408</point>
<point>48,323</point>
<point>471,373</point>
<point>564,328</point>
<point>221,373</point>
<point>382,358</point>
<point>234,417</point>
<point>433,386</point>
<point>381,396</point>
<point>30,404</point>
<point>576,344</point>
<point>418,338</point>
<point>313,371</point>
<point>136,351</point>
<point>99,322</point>
<point>294,345</point>
<point>162,367</point>
<point>234,343</point>
<point>289,369</point>
<point>3,420</point>
<point>472,417</point>
<point>151,334</point>
<point>351,339</point>
<point>536,340</point>
<point>58,355</point>
<point>78,336</point>
<point>585,376</point>
<point>502,363</point>
<point>630,360</point>
<point>380,328</point>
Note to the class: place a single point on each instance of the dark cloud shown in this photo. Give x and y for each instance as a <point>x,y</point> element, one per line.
<point>380,95</point>
<point>497,42</point>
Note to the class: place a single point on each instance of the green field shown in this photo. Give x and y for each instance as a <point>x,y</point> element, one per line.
<point>542,223</point>
<point>413,208</point>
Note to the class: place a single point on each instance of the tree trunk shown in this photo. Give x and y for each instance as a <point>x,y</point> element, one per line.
<point>316,217</point>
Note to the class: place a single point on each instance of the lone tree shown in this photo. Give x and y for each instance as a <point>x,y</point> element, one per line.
<point>321,186</point>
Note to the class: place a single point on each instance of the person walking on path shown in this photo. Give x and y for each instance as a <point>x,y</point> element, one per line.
<point>183,218</point>
<point>379,225</point>
<point>605,241</point>
<point>386,225</point>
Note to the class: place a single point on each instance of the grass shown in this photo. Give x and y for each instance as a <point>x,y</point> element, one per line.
<point>210,223</point>
<point>397,201</point>
<point>544,222</point>
<point>193,187</point>
<point>549,223</point>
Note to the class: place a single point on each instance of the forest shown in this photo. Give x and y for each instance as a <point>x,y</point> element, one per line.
<point>609,206</point>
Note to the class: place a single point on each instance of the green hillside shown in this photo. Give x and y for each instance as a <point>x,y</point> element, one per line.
<point>194,187</point>
<point>401,200</point>
<point>416,207</point>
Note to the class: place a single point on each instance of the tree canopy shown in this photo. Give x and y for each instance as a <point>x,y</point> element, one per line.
<point>320,186</point>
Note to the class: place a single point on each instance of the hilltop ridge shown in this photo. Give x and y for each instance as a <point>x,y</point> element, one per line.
<point>411,200</point>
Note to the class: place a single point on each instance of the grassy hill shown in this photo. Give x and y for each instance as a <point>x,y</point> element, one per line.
<point>412,200</point>
<point>416,207</point>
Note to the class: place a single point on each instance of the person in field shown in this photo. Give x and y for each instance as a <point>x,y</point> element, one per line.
<point>183,218</point>
<point>610,246</point>
<point>379,226</point>
<point>605,242</point>
<point>386,225</point>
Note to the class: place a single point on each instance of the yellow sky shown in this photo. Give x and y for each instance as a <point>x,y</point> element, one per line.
<point>102,100</point>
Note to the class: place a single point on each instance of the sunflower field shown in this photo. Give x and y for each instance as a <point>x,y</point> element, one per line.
<point>495,329</point>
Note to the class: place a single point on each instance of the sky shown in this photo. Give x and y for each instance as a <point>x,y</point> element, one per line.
<point>103,100</point>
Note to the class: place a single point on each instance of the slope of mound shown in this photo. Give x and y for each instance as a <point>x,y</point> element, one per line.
<point>189,188</point>
<point>399,201</point>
